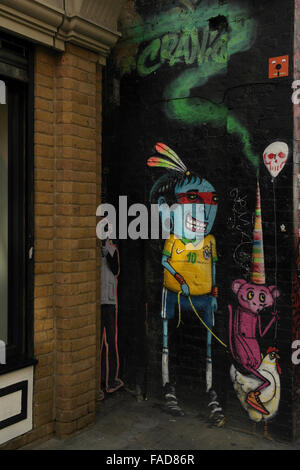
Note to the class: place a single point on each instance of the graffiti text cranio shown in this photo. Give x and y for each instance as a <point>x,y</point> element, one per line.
<point>192,47</point>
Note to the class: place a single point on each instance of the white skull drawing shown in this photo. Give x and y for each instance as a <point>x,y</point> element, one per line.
<point>275,157</point>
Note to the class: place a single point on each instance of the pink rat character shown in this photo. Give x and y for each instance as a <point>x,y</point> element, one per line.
<point>244,346</point>
<point>253,298</point>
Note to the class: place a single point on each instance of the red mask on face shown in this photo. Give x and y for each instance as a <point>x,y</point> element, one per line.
<point>194,197</point>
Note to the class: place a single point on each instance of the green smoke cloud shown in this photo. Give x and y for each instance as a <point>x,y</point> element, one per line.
<point>194,111</point>
<point>210,60</point>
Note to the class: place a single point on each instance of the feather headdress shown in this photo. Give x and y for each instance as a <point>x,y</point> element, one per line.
<point>174,162</point>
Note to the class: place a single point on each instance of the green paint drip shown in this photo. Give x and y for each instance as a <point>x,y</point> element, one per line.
<point>194,111</point>
<point>180,106</point>
<point>235,127</point>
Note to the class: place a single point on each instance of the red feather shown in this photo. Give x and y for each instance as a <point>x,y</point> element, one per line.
<point>272,349</point>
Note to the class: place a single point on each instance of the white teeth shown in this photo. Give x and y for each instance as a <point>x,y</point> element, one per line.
<point>194,224</point>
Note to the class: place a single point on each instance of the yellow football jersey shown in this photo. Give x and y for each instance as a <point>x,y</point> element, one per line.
<point>193,261</point>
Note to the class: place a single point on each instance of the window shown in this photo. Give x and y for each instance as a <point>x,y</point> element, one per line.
<point>4,214</point>
<point>16,206</point>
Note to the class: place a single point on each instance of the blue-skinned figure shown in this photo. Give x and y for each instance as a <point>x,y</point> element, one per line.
<point>188,206</point>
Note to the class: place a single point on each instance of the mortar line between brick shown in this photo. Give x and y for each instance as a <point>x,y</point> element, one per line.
<point>54,246</point>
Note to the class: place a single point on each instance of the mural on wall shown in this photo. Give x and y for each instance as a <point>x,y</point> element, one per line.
<point>256,376</point>
<point>253,297</point>
<point>275,157</point>
<point>179,51</point>
<point>109,355</point>
<point>189,258</point>
<point>244,385</point>
<point>201,36</point>
<point>279,66</point>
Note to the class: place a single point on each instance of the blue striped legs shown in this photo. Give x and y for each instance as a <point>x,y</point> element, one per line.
<point>165,354</point>
<point>208,363</point>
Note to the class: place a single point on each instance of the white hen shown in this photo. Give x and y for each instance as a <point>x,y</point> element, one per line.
<point>269,396</point>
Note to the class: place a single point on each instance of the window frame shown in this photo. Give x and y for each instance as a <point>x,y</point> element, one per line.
<point>20,99</point>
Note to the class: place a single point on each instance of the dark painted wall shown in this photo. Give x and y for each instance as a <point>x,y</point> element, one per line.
<point>296,258</point>
<point>218,110</point>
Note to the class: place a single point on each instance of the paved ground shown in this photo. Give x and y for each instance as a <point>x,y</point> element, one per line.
<point>123,423</point>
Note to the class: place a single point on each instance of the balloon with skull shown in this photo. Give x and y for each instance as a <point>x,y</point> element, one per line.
<point>275,157</point>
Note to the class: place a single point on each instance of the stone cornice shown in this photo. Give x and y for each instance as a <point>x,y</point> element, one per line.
<point>86,34</point>
<point>91,24</point>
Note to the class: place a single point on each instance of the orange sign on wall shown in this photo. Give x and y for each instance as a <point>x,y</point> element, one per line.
<point>279,66</point>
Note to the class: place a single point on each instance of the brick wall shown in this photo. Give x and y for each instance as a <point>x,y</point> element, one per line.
<point>75,246</point>
<point>67,142</point>
<point>44,276</point>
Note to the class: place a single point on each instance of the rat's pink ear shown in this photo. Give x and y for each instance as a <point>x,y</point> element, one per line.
<point>274,291</point>
<point>237,284</point>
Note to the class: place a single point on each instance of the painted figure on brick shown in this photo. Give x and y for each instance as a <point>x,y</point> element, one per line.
<point>255,384</point>
<point>188,206</point>
<point>109,356</point>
